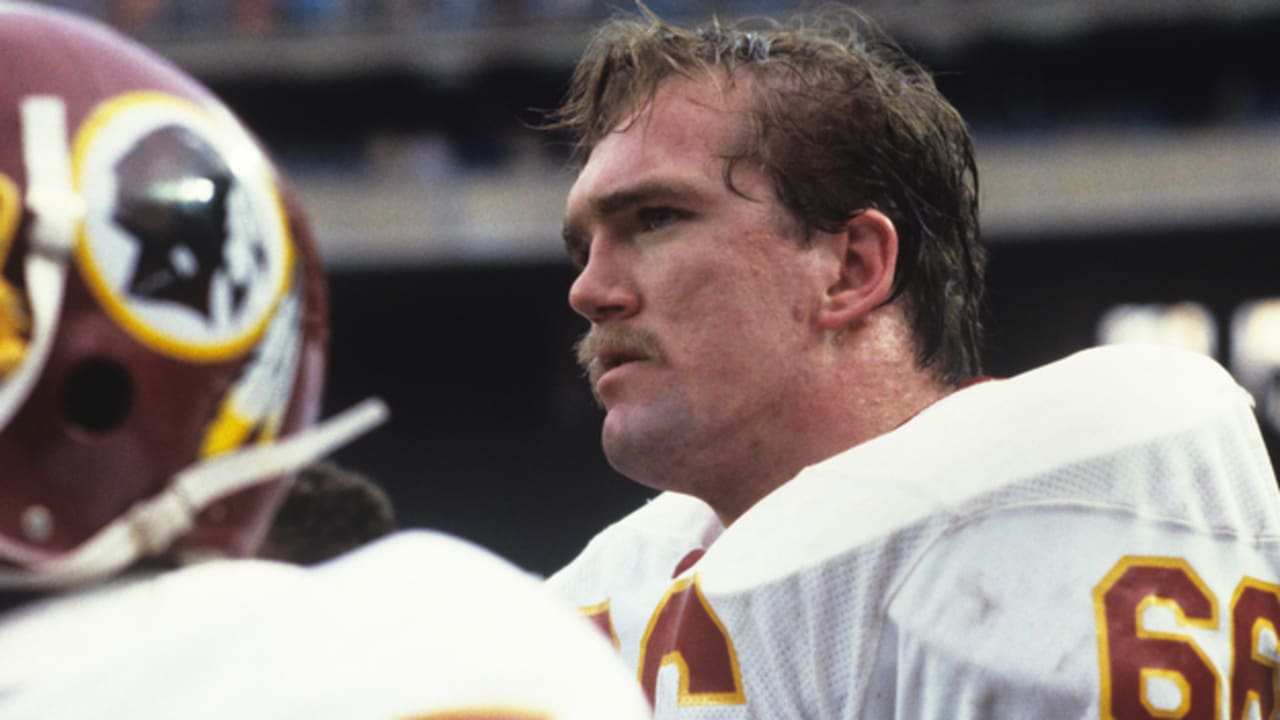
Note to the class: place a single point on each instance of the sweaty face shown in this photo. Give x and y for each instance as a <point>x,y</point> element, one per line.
<point>700,300</point>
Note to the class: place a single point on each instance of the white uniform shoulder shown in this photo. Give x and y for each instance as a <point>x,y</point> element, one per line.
<point>653,537</point>
<point>49,639</point>
<point>409,553</point>
<point>1030,612</point>
<point>1124,426</point>
<point>416,624</point>
<point>625,570</point>
<point>682,518</point>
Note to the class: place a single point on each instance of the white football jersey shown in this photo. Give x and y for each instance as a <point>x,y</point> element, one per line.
<point>418,625</point>
<point>1099,537</point>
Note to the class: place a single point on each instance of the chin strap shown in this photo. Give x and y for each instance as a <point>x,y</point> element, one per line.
<point>56,210</point>
<point>152,526</point>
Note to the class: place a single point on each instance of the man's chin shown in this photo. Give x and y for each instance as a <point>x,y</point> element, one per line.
<point>638,442</point>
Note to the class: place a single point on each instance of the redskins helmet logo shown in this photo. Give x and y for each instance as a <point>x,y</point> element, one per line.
<point>186,244</point>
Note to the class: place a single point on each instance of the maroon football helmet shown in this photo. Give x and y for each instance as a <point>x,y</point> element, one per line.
<point>162,311</point>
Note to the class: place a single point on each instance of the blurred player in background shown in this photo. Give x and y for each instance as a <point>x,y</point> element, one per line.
<point>776,230</point>
<point>328,510</point>
<point>163,342</point>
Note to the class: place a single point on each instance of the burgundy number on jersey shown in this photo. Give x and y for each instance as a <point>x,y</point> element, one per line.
<point>1255,678</point>
<point>1134,658</point>
<point>685,631</point>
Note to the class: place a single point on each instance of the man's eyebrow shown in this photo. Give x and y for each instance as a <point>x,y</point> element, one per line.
<point>644,193</point>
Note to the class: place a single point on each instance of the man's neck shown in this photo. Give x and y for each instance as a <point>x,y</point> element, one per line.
<point>881,404</point>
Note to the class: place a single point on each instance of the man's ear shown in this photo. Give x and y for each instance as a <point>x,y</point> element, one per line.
<point>868,249</point>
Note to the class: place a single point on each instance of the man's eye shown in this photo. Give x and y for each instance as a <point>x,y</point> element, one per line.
<point>655,218</point>
<point>578,254</point>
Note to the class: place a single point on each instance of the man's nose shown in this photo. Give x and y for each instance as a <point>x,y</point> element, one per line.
<point>604,290</point>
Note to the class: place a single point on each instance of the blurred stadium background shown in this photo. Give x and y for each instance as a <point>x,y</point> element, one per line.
<point>1131,191</point>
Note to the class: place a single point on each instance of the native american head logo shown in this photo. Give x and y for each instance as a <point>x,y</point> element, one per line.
<point>185,242</point>
<point>172,197</point>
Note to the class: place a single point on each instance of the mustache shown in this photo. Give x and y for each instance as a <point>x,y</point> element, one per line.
<point>615,340</point>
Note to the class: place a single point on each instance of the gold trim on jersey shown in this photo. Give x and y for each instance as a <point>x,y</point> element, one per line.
<point>686,587</point>
<point>600,615</point>
<point>1148,675</point>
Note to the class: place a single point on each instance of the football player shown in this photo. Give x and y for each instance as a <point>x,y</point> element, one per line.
<point>776,231</point>
<point>162,347</point>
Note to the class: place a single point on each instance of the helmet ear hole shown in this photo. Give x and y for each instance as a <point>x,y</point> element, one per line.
<point>98,396</point>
